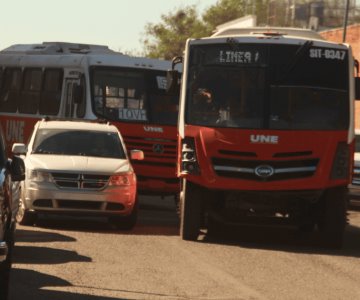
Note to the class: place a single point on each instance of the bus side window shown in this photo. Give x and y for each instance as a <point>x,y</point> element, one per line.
<point>81,102</point>
<point>10,91</point>
<point>51,93</point>
<point>30,93</point>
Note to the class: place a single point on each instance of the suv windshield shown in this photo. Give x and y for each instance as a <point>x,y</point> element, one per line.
<point>133,96</point>
<point>268,86</point>
<point>78,142</point>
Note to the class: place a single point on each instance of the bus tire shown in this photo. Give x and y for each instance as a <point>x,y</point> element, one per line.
<point>191,211</point>
<point>333,218</point>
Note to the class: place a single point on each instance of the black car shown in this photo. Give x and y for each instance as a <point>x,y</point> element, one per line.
<point>12,170</point>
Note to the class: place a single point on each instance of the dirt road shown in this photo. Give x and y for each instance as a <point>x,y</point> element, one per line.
<point>69,258</point>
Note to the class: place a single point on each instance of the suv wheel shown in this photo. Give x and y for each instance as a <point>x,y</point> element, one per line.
<point>24,217</point>
<point>125,222</point>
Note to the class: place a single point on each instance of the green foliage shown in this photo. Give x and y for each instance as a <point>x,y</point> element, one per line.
<point>224,11</point>
<point>167,39</point>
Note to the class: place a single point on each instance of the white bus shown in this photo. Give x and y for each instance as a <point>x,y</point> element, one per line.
<point>80,81</point>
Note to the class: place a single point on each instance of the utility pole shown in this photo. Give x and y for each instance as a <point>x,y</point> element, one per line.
<point>346,16</point>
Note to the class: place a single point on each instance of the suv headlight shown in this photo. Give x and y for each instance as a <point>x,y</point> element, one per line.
<point>39,176</point>
<point>124,179</point>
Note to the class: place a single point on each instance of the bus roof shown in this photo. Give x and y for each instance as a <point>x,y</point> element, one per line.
<point>61,54</point>
<point>56,48</point>
<point>267,35</point>
<point>270,31</point>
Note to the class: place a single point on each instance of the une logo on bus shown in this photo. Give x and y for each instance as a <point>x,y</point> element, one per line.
<point>264,171</point>
<point>153,129</point>
<point>265,139</point>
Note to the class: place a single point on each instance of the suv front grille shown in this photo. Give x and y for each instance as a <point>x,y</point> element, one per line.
<point>80,181</point>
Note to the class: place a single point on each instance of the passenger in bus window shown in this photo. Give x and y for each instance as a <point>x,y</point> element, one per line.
<point>204,107</point>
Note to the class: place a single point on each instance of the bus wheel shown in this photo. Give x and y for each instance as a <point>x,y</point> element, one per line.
<point>333,218</point>
<point>191,211</point>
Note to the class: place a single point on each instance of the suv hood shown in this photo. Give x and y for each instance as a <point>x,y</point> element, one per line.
<point>84,164</point>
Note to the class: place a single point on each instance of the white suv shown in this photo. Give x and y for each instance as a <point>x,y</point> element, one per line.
<point>77,167</point>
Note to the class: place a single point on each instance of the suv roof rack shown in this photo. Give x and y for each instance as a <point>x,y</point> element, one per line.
<point>99,121</point>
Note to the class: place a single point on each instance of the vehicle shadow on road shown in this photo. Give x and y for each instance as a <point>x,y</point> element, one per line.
<point>33,236</point>
<point>28,284</point>
<point>45,255</point>
<point>284,239</point>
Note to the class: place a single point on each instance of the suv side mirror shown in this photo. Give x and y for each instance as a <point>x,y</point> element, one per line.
<point>19,149</point>
<point>17,168</point>
<point>136,155</point>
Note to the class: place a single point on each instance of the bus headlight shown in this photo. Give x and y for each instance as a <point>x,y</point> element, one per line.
<point>189,163</point>
<point>340,168</point>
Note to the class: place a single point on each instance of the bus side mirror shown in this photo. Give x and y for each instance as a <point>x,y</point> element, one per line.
<point>357,88</point>
<point>172,82</point>
<point>78,94</point>
<point>173,77</point>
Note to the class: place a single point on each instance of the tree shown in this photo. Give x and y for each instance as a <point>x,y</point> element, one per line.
<point>224,11</point>
<point>167,39</point>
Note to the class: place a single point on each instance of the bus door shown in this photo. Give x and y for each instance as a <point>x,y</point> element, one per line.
<point>74,104</point>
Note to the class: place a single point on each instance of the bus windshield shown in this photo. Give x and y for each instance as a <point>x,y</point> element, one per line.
<point>268,86</point>
<point>133,96</point>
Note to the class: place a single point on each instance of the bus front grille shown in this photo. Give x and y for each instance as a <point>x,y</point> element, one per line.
<point>156,150</point>
<point>258,170</point>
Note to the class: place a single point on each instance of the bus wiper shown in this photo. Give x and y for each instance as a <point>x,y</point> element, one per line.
<point>299,54</point>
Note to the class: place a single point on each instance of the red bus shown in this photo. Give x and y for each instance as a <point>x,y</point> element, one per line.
<point>266,131</point>
<point>77,81</point>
